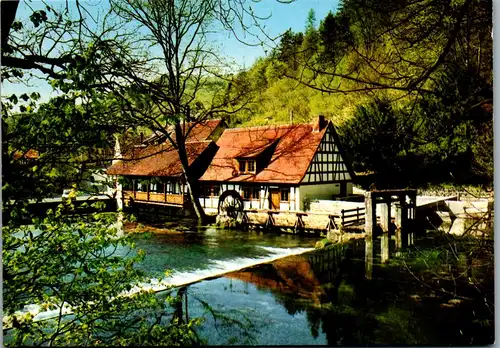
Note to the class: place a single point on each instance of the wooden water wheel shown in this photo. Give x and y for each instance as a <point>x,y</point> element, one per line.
<point>230,204</point>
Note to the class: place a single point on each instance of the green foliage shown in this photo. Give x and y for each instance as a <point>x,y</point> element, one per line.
<point>409,84</point>
<point>322,243</point>
<point>81,265</point>
<point>431,142</point>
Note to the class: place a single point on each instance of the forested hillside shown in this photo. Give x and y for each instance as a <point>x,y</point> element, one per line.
<point>407,83</point>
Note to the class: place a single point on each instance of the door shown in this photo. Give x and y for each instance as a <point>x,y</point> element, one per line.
<point>275,199</point>
<point>343,189</point>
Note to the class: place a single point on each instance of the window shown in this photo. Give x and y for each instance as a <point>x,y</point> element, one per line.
<point>210,191</point>
<point>206,191</point>
<point>173,187</point>
<point>216,190</point>
<point>247,166</point>
<point>246,193</point>
<point>127,184</point>
<point>251,193</point>
<point>251,166</point>
<point>285,194</point>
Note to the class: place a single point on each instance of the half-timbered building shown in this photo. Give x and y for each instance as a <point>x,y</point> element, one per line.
<point>278,167</point>
<point>151,172</point>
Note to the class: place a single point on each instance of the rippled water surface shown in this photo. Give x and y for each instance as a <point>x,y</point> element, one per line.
<point>328,297</point>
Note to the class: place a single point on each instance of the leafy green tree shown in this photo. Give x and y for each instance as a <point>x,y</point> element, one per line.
<point>170,100</point>
<point>66,261</point>
<point>81,271</point>
<point>375,138</point>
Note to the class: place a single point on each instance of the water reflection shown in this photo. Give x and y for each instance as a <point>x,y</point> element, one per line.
<point>343,296</point>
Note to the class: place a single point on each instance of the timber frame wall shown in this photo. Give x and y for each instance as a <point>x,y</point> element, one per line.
<point>328,165</point>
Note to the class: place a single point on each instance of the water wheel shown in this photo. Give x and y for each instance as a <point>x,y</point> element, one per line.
<point>230,204</point>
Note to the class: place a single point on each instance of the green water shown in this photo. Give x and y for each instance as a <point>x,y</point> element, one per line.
<point>433,296</point>
<point>209,252</point>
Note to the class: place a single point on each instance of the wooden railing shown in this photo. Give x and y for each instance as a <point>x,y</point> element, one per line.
<point>352,216</point>
<point>167,198</point>
<point>348,217</point>
<point>299,224</point>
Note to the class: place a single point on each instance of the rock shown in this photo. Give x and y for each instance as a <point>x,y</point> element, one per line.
<point>322,243</point>
<point>226,221</point>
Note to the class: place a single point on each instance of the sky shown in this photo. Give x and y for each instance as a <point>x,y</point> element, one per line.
<point>282,17</point>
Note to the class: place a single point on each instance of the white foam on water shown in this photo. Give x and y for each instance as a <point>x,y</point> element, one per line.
<point>217,269</point>
<point>220,267</point>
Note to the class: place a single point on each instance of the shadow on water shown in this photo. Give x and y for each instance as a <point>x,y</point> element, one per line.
<point>439,292</point>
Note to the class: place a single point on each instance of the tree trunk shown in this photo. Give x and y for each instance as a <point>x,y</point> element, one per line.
<point>190,180</point>
<point>8,10</point>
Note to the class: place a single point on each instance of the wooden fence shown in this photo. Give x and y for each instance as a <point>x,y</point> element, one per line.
<point>353,216</point>
<point>300,221</point>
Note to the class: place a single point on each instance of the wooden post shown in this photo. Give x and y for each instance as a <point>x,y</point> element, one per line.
<point>384,247</point>
<point>165,192</point>
<point>413,200</point>
<point>402,223</point>
<point>149,185</point>
<point>399,227</point>
<point>343,218</point>
<point>368,258</point>
<point>370,215</point>
<point>385,214</point>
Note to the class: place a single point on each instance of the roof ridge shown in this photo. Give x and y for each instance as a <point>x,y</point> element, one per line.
<point>199,141</point>
<point>271,126</point>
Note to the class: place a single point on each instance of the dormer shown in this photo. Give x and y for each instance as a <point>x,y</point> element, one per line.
<point>247,166</point>
<point>253,160</point>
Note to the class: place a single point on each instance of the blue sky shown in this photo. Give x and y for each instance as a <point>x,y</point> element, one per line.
<point>283,17</point>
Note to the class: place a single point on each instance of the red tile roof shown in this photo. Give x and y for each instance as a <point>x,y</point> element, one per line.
<point>294,151</point>
<point>202,131</point>
<point>30,154</point>
<point>162,159</point>
<point>157,160</point>
<point>199,132</point>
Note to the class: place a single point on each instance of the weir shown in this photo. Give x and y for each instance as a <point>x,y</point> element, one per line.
<point>179,279</point>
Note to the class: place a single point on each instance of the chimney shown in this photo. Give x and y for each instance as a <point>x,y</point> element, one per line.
<point>320,124</point>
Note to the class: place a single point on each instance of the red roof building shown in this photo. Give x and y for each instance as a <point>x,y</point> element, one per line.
<point>152,172</point>
<point>279,167</point>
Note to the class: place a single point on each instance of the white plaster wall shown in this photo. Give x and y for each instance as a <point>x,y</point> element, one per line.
<point>251,204</point>
<point>284,206</point>
<point>349,188</point>
<point>315,192</point>
<point>209,202</point>
<point>293,205</point>
<point>334,206</point>
<point>264,198</point>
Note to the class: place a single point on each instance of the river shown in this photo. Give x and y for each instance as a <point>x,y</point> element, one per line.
<point>279,292</point>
